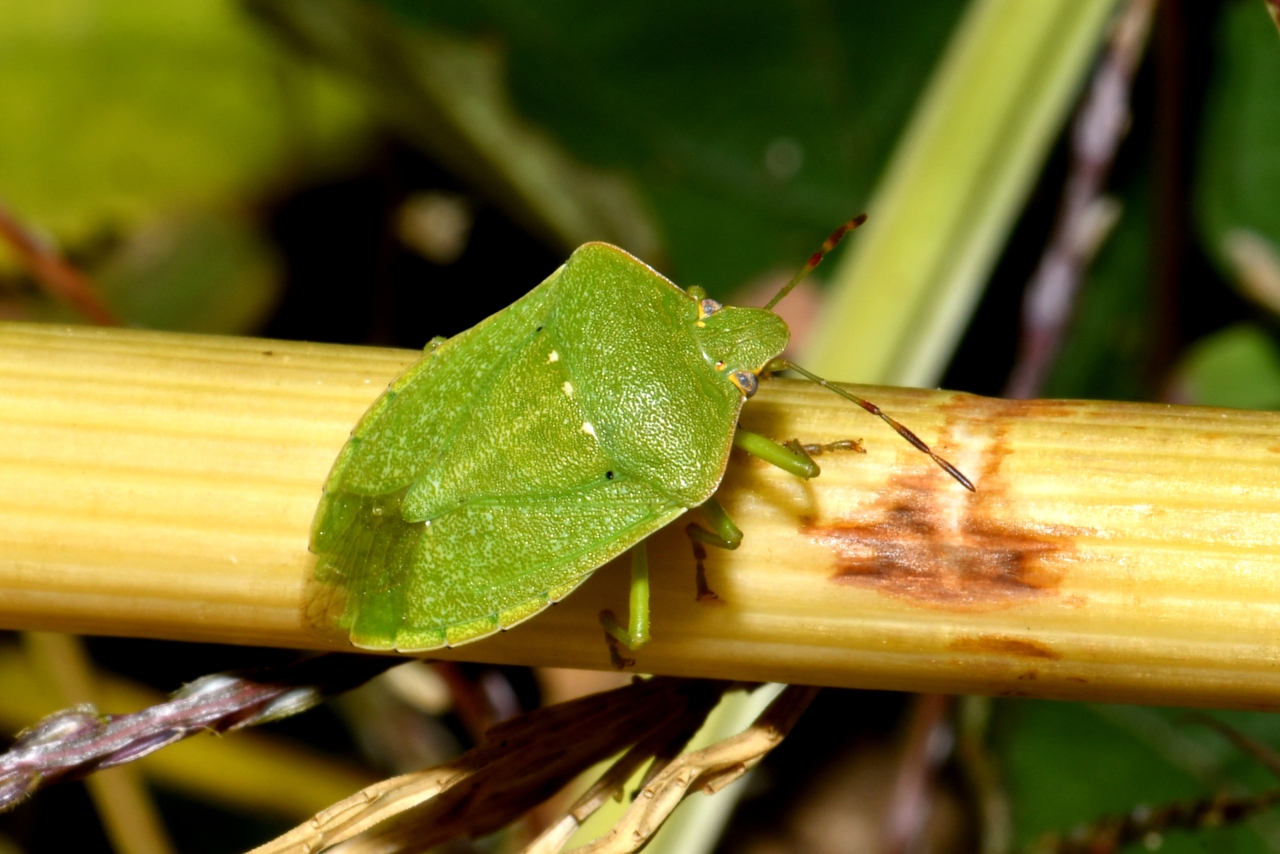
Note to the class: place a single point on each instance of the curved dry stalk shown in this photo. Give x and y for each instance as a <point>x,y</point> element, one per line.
<point>522,763</point>
<point>661,747</point>
<point>708,770</point>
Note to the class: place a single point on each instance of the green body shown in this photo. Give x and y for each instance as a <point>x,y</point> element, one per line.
<point>514,459</point>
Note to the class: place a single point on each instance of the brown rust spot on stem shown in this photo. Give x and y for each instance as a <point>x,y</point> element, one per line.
<point>1004,645</point>
<point>926,541</point>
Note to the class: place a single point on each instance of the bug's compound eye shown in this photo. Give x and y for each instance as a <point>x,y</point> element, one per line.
<point>746,382</point>
<point>708,307</point>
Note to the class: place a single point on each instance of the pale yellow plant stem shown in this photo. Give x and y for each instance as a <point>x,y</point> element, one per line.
<point>162,485</point>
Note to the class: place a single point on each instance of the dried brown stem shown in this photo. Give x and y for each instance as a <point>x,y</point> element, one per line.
<point>1085,217</point>
<point>521,763</point>
<point>708,770</point>
<point>59,277</point>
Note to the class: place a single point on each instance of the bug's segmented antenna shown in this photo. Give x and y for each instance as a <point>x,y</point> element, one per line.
<point>816,258</point>
<point>916,441</point>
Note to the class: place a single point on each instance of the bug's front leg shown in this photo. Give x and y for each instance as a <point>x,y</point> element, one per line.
<point>636,634</point>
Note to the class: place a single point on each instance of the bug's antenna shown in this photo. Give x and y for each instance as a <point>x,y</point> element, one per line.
<point>816,258</point>
<point>916,441</point>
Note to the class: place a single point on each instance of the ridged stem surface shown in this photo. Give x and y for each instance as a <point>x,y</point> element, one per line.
<point>162,485</point>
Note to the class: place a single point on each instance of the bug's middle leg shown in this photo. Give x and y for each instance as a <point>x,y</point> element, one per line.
<point>723,534</point>
<point>792,457</point>
<point>636,634</point>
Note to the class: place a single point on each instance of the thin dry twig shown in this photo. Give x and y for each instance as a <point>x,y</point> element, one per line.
<point>1085,216</point>
<point>661,747</point>
<point>708,770</point>
<point>55,273</point>
<point>521,763</point>
<point>72,743</point>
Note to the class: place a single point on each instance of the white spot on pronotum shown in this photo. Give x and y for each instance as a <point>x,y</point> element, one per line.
<point>553,356</point>
<point>568,388</point>
<point>588,429</point>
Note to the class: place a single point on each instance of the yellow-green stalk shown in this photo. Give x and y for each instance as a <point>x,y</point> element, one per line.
<point>162,485</point>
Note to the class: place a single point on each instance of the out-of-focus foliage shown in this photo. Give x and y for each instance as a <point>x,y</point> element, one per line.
<point>118,111</point>
<point>1237,367</point>
<point>132,128</point>
<point>1070,763</point>
<point>1238,207</point>
<point>751,129</point>
<point>1238,175</point>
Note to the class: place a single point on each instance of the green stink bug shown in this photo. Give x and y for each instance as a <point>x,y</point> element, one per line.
<point>515,458</point>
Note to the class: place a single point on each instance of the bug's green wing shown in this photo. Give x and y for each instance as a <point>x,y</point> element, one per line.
<point>473,493</point>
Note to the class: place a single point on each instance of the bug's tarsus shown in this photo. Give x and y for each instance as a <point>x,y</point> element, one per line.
<point>816,258</point>
<point>705,593</point>
<point>916,441</point>
<point>611,628</point>
<point>817,450</point>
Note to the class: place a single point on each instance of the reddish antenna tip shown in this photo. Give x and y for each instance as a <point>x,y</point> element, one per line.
<point>816,258</point>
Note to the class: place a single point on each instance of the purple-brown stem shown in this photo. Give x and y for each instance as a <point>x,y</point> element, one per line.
<point>72,743</point>
<point>1083,216</point>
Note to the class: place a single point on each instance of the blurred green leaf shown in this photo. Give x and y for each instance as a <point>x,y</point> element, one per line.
<point>448,95</point>
<point>751,129</point>
<point>116,110</point>
<point>1070,763</point>
<point>197,274</point>
<point>1238,179</point>
<point>1237,367</point>
<point>210,273</point>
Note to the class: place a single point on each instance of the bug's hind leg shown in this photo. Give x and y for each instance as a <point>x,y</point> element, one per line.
<point>724,534</point>
<point>636,634</point>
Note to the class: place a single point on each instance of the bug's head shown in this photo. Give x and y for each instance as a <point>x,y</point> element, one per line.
<point>740,342</point>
